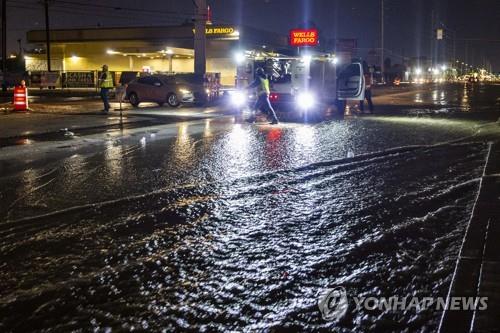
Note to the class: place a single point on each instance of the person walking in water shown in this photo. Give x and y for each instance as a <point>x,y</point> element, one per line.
<point>368,89</point>
<point>263,104</point>
<point>105,83</point>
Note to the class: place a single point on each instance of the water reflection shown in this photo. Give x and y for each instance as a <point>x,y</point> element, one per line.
<point>465,96</point>
<point>183,147</point>
<point>208,129</point>
<point>235,155</point>
<point>275,148</point>
<point>304,143</point>
<point>418,98</point>
<point>113,161</point>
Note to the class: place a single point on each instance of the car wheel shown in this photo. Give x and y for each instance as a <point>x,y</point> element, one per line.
<point>134,99</point>
<point>173,100</point>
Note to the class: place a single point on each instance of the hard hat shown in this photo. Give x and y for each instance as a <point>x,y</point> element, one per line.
<point>260,71</point>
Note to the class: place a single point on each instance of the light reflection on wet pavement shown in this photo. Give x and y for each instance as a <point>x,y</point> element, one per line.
<point>237,227</point>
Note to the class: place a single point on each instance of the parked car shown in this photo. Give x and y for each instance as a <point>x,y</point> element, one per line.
<point>159,89</point>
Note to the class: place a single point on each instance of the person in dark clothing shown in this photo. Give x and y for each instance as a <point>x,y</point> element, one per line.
<point>262,85</point>
<point>368,89</point>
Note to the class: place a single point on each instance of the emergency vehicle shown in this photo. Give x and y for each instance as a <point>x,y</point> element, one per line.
<point>299,83</point>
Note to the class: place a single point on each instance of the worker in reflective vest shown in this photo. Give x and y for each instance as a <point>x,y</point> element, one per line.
<point>263,104</point>
<point>105,83</point>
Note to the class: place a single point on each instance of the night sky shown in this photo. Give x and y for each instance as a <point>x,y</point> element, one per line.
<point>408,22</point>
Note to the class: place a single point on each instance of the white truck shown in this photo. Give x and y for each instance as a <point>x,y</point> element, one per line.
<point>302,83</point>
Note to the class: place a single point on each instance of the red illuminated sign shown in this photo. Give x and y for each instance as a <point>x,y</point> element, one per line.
<point>304,37</point>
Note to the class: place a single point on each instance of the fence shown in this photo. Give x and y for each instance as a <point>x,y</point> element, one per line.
<point>89,79</point>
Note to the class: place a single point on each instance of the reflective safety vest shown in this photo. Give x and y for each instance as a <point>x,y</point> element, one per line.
<point>108,82</point>
<point>263,87</point>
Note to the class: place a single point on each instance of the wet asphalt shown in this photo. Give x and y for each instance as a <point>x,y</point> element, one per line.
<point>216,224</point>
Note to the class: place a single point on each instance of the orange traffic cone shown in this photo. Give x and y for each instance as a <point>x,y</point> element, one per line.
<point>20,100</point>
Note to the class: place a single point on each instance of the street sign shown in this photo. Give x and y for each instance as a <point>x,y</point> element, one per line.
<point>78,79</point>
<point>304,37</point>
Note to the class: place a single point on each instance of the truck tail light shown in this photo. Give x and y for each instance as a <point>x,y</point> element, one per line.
<point>274,97</point>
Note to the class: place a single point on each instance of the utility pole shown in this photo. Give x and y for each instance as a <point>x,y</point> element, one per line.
<point>382,41</point>
<point>433,38</point>
<point>47,33</point>
<point>4,39</point>
<point>200,38</point>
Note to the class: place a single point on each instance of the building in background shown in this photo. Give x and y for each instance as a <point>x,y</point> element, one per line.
<point>144,49</point>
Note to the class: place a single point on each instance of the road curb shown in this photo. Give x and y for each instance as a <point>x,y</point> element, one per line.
<point>477,272</point>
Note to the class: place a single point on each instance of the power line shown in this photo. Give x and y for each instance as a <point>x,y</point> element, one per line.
<point>90,8</point>
<point>66,10</point>
<point>135,10</point>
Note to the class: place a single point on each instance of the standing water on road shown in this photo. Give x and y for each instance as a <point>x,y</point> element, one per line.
<point>238,229</point>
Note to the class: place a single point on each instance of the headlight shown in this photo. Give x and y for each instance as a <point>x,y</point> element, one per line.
<point>305,100</point>
<point>185,91</point>
<point>238,98</point>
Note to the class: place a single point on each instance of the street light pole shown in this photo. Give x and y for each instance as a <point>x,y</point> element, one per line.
<point>47,33</point>
<point>200,61</point>
<point>4,38</point>
<point>382,41</point>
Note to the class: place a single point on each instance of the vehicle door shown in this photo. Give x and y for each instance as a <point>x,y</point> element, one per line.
<point>170,85</point>
<point>144,87</point>
<point>157,90</point>
<point>351,83</point>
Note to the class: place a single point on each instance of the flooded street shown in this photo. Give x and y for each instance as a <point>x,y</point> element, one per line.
<point>215,225</point>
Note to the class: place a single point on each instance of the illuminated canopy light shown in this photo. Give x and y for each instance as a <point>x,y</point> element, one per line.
<point>169,51</point>
<point>418,71</point>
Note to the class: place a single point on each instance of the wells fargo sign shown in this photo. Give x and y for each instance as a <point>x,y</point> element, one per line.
<point>304,37</point>
<point>219,31</point>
